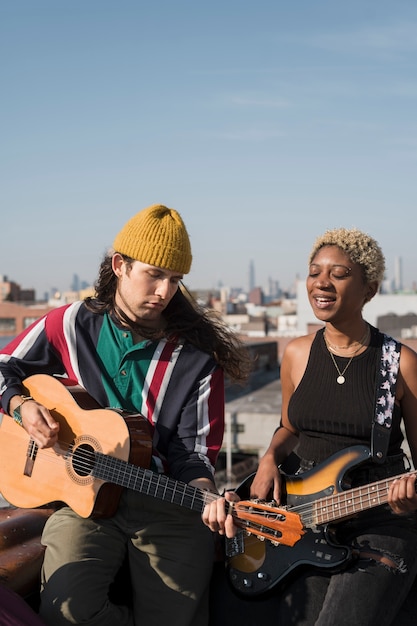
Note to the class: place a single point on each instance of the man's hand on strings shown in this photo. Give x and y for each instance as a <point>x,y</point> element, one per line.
<point>217,515</point>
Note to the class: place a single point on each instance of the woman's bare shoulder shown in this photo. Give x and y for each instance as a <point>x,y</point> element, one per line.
<point>294,361</point>
<point>299,345</point>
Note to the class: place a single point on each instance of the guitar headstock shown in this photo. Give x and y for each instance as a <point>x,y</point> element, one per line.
<point>268,521</point>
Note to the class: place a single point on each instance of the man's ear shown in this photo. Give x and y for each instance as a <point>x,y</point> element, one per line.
<point>117,264</point>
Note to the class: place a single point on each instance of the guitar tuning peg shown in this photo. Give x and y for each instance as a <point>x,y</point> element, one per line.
<point>261,538</point>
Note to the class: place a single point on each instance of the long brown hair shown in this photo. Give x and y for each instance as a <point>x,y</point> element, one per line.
<point>185,318</point>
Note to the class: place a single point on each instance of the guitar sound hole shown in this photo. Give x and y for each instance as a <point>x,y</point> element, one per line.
<point>83,460</point>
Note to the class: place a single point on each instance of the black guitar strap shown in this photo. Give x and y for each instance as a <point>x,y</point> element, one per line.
<point>385,398</point>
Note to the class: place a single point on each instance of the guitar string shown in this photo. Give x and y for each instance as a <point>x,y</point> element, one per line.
<point>325,508</point>
<point>352,494</point>
<point>84,463</point>
<point>308,511</point>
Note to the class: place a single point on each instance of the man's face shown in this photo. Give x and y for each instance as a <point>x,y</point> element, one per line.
<point>144,291</point>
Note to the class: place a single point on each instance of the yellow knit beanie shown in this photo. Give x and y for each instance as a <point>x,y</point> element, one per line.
<point>157,236</point>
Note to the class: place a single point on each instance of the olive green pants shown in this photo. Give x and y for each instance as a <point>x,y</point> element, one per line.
<point>170,557</point>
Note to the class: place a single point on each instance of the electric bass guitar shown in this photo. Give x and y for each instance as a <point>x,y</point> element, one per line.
<point>318,498</point>
<point>99,449</point>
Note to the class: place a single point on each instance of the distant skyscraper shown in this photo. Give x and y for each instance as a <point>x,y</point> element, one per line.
<point>251,276</point>
<point>398,274</point>
<point>75,285</point>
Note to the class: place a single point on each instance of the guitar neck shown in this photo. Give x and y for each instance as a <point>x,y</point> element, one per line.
<point>347,503</point>
<point>145,481</point>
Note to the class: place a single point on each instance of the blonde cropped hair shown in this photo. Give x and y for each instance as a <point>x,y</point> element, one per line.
<point>360,248</point>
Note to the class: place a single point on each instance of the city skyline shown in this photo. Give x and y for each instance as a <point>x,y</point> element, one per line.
<point>393,282</point>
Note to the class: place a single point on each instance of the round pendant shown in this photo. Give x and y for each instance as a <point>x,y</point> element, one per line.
<point>340,379</point>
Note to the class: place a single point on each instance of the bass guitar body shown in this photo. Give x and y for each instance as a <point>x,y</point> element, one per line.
<point>255,567</point>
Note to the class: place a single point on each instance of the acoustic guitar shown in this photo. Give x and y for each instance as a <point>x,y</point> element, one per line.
<point>320,499</point>
<point>100,449</point>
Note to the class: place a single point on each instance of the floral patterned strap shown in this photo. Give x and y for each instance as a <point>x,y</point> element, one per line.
<point>385,398</point>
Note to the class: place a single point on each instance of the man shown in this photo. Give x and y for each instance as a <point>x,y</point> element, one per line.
<point>143,346</point>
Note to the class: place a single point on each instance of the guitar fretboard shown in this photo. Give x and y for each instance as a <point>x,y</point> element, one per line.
<point>149,483</point>
<point>346,503</point>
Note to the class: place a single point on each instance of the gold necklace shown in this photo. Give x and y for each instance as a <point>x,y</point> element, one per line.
<point>341,378</point>
<point>334,348</point>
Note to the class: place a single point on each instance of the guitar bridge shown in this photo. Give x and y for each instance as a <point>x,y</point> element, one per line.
<point>30,458</point>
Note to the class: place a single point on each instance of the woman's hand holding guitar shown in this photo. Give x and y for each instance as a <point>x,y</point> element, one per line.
<point>266,484</point>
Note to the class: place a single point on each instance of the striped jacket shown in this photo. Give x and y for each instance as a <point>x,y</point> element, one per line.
<point>178,388</point>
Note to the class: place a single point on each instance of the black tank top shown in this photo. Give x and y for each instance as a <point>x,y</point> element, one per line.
<point>331,417</point>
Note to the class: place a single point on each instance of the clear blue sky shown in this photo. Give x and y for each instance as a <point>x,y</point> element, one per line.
<point>263,122</point>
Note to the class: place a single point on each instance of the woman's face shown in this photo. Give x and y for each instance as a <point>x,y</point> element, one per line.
<point>336,287</point>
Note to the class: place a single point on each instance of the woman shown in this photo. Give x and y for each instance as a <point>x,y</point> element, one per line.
<point>328,404</point>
